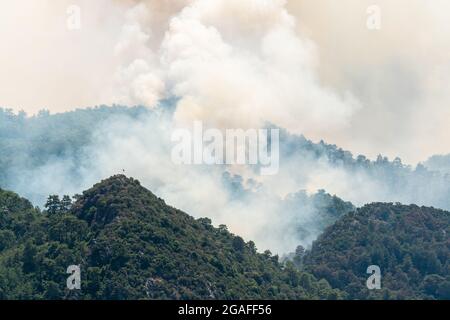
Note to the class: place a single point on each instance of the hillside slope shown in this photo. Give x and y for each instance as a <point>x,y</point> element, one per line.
<point>131,245</point>
<point>410,244</point>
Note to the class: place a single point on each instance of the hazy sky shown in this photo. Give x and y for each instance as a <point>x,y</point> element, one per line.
<point>313,67</point>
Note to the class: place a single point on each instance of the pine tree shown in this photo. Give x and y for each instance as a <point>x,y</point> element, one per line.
<point>53,204</point>
<point>66,203</point>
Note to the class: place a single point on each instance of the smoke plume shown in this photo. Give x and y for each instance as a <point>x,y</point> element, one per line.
<point>312,70</point>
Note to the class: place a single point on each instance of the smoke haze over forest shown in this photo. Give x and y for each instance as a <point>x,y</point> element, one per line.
<point>316,72</point>
<point>371,92</point>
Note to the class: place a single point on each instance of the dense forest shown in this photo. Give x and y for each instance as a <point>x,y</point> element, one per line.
<point>131,245</point>
<point>29,144</point>
<point>410,244</point>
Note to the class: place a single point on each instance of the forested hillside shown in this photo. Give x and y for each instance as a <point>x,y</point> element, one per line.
<point>131,245</point>
<point>62,143</point>
<point>410,244</point>
<point>379,180</point>
<point>68,152</point>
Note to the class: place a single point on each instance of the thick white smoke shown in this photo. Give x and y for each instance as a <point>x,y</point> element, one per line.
<point>229,63</point>
<point>399,74</point>
<point>232,63</point>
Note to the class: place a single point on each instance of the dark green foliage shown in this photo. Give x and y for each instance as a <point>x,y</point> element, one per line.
<point>410,244</point>
<point>56,206</point>
<point>131,245</point>
<point>65,204</point>
<point>53,204</point>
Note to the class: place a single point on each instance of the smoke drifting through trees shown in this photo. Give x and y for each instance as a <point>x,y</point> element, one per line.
<point>316,67</point>
<point>230,64</point>
<point>85,146</point>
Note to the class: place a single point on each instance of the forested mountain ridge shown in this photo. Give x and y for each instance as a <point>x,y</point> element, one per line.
<point>36,246</point>
<point>379,180</point>
<point>68,152</point>
<point>30,146</point>
<point>410,244</point>
<point>131,245</point>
